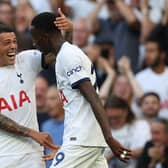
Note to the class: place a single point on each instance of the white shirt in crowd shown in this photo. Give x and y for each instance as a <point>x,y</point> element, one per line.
<point>82,8</point>
<point>80,125</point>
<point>152,82</point>
<point>17,101</point>
<point>132,136</point>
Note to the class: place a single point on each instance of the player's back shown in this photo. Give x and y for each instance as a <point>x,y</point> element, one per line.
<point>81,126</point>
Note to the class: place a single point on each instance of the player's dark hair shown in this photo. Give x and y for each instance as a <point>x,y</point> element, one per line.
<point>149,94</point>
<point>5,28</point>
<point>45,22</point>
<point>119,103</point>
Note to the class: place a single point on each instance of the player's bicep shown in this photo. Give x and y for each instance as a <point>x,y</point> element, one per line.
<point>89,92</point>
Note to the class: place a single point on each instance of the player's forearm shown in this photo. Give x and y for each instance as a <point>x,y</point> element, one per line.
<point>91,96</point>
<point>9,125</point>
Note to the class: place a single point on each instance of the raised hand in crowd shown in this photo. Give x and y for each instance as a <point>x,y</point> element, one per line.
<point>124,66</point>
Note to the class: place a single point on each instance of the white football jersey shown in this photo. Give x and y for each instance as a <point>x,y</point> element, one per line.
<point>81,126</point>
<point>17,101</point>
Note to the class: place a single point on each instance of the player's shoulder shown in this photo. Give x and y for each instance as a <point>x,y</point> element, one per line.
<point>29,52</point>
<point>27,55</point>
<point>69,52</point>
<point>69,48</point>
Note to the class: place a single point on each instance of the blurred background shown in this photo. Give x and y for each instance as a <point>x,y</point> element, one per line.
<point>127,42</point>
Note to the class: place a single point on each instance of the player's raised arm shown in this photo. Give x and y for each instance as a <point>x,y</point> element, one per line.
<point>11,126</point>
<point>65,25</point>
<point>91,96</point>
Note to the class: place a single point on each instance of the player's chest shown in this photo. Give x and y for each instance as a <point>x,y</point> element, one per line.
<point>12,81</point>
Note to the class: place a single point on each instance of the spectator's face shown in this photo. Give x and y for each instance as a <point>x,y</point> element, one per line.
<point>150,106</point>
<point>8,48</point>
<point>6,14</point>
<point>113,10</point>
<point>159,136</point>
<point>117,117</point>
<point>53,103</point>
<point>80,34</point>
<point>41,91</point>
<point>152,54</point>
<point>93,52</point>
<point>122,88</point>
<point>24,15</point>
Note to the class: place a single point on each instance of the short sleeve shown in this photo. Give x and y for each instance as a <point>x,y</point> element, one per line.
<point>75,68</point>
<point>30,59</point>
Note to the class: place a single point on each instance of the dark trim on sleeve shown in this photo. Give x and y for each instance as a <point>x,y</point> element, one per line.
<point>43,64</point>
<point>75,85</point>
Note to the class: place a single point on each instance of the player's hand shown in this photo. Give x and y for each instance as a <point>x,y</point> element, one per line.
<point>43,139</point>
<point>119,151</point>
<point>63,23</point>
<point>51,155</point>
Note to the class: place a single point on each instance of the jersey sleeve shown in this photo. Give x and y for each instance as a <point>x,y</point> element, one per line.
<point>30,59</point>
<point>75,68</point>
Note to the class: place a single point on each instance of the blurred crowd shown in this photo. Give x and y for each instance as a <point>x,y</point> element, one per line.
<point>127,41</point>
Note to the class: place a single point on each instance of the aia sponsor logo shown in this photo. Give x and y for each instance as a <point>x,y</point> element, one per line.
<point>14,101</point>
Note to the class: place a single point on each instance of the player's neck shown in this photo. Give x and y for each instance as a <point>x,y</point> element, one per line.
<point>57,43</point>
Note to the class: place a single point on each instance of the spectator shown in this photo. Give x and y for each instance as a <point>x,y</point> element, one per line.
<point>81,9</point>
<point>81,33</point>
<point>123,85</point>
<point>121,27</point>
<point>150,106</point>
<point>107,54</point>
<point>41,85</point>
<point>6,13</point>
<point>55,125</point>
<point>23,16</point>
<point>152,14</point>
<point>155,152</point>
<point>154,77</point>
<point>55,4</point>
<point>125,128</point>
<point>37,5</point>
